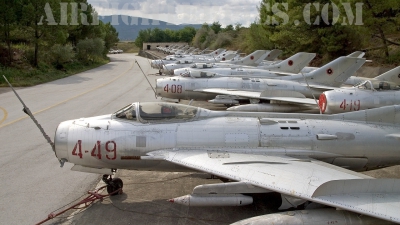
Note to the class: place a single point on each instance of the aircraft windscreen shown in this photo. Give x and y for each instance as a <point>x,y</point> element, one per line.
<point>166,112</point>
<point>128,112</point>
<point>378,85</point>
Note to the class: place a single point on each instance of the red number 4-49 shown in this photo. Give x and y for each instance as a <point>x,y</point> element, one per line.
<point>110,147</point>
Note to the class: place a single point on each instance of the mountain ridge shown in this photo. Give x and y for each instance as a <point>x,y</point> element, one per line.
<point>128,27</point>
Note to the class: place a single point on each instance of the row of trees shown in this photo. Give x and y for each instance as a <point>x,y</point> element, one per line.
<point>52,31</point>
<point>215,36</point>
<point>294,26</point>
<point>157,35</point>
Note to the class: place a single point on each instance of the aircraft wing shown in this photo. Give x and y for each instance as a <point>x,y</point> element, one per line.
<point>296,98</point>
<point>308,179</point>
<point>322,87</point>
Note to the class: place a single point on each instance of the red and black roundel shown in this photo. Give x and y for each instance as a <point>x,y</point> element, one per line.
<point>252,57</point>
<point>290,63</point>
<point>329,71</point>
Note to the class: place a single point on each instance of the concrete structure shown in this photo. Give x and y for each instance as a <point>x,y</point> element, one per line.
<point>154,45</point>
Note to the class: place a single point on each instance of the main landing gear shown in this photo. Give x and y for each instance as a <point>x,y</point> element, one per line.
<point>114,185</point>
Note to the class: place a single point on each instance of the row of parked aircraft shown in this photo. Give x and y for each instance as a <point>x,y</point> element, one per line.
<point>311,160</point>
<point>181,49</point>
<point>259,85</point>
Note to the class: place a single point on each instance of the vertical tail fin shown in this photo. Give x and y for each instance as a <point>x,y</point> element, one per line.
<point>273,55</point>
<point>357,54</point>
<point>203,52</point>
<point>336,72</point>
<point>252,59</point>
<point>391,76</point>
<point>216,52</point>
<point>293,64</point>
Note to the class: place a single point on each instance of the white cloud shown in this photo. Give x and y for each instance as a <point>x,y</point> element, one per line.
<point>183,11</point>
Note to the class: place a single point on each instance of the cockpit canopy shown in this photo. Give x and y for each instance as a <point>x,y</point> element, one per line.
<point>378,85</point>
<point>198,74</point>
<point>169,59</point>
<point>202,65</point>
<point>184,62</point>
<point>156,112</point>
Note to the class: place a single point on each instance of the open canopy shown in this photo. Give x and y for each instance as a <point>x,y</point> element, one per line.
<point>156,112</point>
<point>378,85</point>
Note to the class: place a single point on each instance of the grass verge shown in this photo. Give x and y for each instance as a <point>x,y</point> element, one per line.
<point>127,47</point>
<point>20,77</point>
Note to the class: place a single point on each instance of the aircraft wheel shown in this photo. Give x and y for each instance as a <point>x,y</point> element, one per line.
<point>114,185</point>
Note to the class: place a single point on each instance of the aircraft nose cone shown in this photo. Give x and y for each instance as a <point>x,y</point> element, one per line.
<point>61,140</point>
<point>322,103</point>
<point>159,87</point>
<point>164,69</point>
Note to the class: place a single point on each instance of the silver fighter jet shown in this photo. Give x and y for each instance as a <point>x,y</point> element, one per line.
<point>369,94</point>
<point>304,157</point>
<point>286,94</point>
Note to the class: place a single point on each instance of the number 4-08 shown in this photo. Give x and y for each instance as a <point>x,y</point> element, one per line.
<point>174,88</point>
<point>110,146</point>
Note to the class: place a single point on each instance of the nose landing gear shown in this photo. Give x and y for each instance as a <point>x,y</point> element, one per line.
<point>114,185</point>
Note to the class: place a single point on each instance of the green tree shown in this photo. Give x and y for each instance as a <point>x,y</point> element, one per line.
<point>9,17</point>
<point>382,18</point>
<point>90,50</point>
<point>37,26</point>
<point>228,28</point>
<point>61,54</point>
<point>186,34</point>
<point>110,37</point>
<point>216,27</point>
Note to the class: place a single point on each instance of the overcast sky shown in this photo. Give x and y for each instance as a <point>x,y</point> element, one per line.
<point>183,11</point>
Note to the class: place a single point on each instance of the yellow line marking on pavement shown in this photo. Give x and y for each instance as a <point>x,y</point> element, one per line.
<point>40,111</point>
<point>5,115</point>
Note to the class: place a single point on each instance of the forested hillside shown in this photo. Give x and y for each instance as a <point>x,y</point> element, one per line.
<point>378,33</point>
<point>158,35</point>
<point>44,40</point>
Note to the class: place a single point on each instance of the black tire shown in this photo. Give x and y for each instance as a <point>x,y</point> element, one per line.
<point>114,185</point>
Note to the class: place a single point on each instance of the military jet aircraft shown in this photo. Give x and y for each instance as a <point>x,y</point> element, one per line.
<point>216,55</point>
<point>301,156</point>
<point>223,60</point>
<point>286,94</point>
<point>390,76</point>
<point>290,66</point>
<point>168,69</point>
<point>367,95</point>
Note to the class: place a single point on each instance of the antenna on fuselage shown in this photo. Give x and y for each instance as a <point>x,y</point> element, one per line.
<point>147,79</point>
